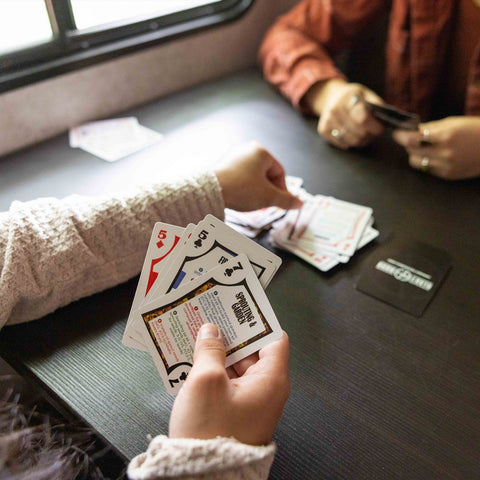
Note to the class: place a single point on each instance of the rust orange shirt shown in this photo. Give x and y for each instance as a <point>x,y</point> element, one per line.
<point>298,50</point>
<point>465,38</point>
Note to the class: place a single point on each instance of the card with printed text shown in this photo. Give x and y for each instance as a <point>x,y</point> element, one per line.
<point>406,276</point>
<point>229,296</point>
<point>325,232</point>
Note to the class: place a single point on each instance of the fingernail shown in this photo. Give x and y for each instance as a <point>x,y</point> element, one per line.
<point>209,330</point>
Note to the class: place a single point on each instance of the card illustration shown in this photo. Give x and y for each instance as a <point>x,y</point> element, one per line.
<point>153,274</point>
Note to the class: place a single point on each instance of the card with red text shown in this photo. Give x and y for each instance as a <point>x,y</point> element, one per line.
<point>163,240</point>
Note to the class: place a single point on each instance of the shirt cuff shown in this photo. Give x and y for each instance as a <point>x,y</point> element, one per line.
<point>217,458</point>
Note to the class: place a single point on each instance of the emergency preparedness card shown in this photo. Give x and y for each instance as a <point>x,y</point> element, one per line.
<point>229,296</point>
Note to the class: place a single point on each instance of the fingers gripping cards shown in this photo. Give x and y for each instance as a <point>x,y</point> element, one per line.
<point>252,223</point>
<point>173,297</point>
<point>326,231</point>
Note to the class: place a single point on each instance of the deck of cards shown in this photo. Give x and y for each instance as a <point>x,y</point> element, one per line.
<point>325,232</point>
<point>204,273</point>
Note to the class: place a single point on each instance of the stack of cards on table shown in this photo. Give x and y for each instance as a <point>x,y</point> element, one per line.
<point>326,231</point>
<point>204,273</point>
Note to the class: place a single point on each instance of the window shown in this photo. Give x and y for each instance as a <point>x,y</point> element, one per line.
<point>43,38</point>
<point>18,30</point>
<point>92,13</point>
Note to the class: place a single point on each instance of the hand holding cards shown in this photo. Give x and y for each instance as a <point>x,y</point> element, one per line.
<point>213,274</point>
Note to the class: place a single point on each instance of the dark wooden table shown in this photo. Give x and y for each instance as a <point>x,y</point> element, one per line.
<point>376,392</point>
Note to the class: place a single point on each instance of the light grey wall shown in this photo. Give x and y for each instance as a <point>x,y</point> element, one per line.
<point>48,108</point>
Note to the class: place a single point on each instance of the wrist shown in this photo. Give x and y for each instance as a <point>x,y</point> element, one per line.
<point>223,177</point>
<point>316,96</point>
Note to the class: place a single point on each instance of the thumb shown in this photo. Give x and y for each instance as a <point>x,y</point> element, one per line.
<point>285,199</point>
<point>209,348</point>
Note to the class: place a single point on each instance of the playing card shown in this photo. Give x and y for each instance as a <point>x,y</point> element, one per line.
<point>317,257</point>
<point>293,183</point>
<point>264,262</point>
<point>213,243</point>
<point>320,258</point>
<point>155,291</point>
<point>230,296</point>
<point>163,240</point>
<point>113,139</point>
<point>332,224</point>
<point>393,117</point>
<point>257,219</point>
<point>252,223</point>
<point>368,236</point>
<point>243,229</point>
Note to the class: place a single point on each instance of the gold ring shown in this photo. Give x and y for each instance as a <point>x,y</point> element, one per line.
<point>425,140</point>
<point>354,99</point>
<point>424,164</point>
<point>337,134</point>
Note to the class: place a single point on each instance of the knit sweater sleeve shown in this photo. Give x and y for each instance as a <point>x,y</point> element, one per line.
<point>188,459</point>
<point>53,252</point>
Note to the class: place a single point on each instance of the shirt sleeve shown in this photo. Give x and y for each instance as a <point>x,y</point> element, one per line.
<point>216,459</point>
<point>53,251</point>
<point>298,51</point>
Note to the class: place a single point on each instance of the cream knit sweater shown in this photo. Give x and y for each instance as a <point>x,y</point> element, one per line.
<point>53,252</point>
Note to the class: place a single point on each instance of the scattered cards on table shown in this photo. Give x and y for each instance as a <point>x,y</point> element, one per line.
<point>325,232</point>
<point>202,273</point>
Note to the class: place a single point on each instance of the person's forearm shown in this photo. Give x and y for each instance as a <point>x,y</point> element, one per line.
<point>294,63</point>
<point>53,252</point>
<point>298,51</point>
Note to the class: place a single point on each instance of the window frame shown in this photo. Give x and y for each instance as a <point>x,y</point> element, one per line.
<point>71,49</point>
